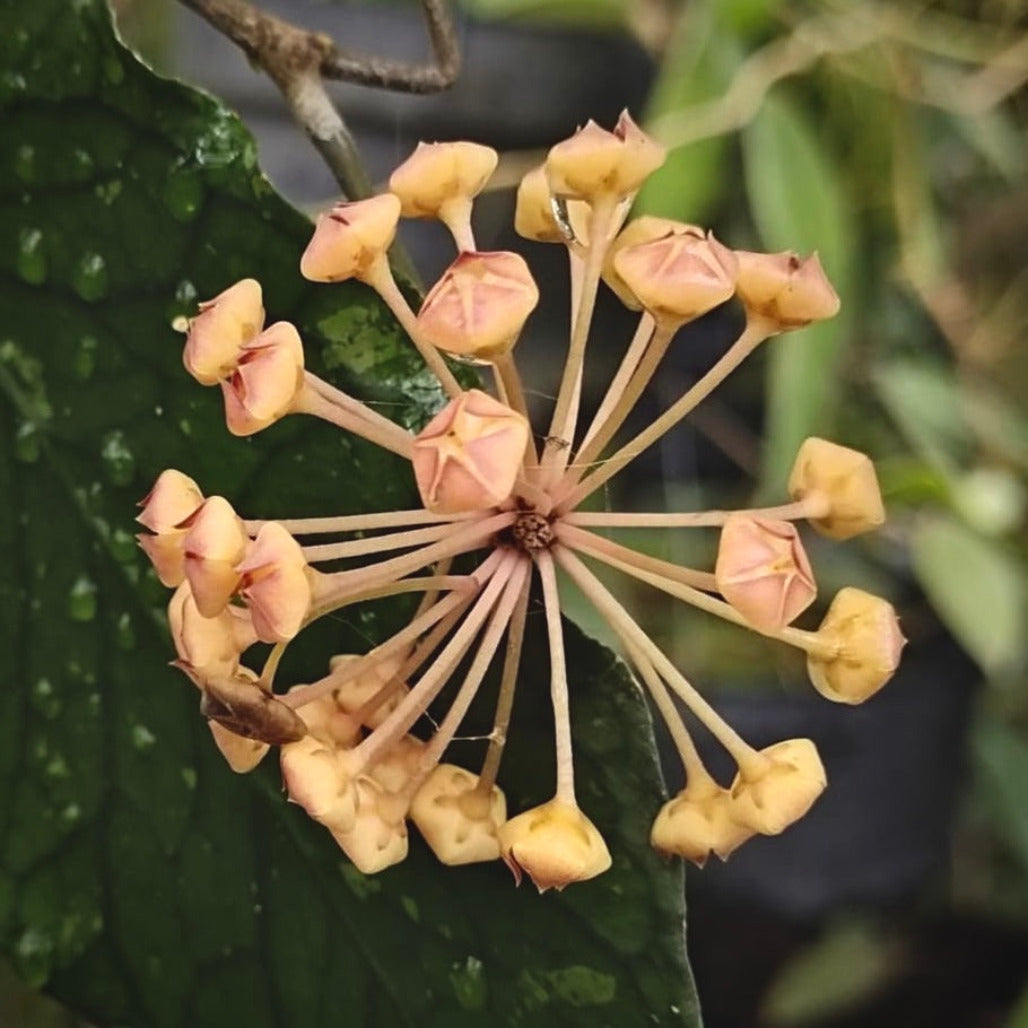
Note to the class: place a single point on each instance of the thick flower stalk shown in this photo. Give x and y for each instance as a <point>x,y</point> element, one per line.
<point>357,751</point>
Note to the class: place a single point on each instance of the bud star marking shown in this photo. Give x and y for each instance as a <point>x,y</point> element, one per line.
<point>511,503</point>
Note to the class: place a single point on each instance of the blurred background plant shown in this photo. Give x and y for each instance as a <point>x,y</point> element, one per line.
<point>892,138</point>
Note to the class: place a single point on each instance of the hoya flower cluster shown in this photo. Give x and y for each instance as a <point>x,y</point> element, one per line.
<point>353,746</point>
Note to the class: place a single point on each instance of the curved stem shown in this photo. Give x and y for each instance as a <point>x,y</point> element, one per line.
<point>377,544</point>
<point>813,506</point>
<point>310,401</point>
<point>341,399</point>
<point>358,522</point>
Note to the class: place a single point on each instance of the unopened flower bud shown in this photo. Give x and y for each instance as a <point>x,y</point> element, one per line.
<point>459,823</point>
<point>845,481</point>
<point>275,584</point>
<point>533,214</point>
<point>864,635</point>
<point>353,694</point>
<point>787,788</point>
<point>640,230</point>
<point>321,779</point>
<point>327,722</point>
<point>437,174</point>
<point>696,823</point>
<point>173,498</point>
<point>555,844</point>
<point>241,754</point>
<point>679,276</point>
<point>394,769</point>
<point>221,329</point>
<point>214,544</point>
<point>211,644</point>
<point>763,572</point>
<point>267,379</point>
<point>784,289</point>
<point>377,839</point>
<point>239,703</point>
<point>595,162</point>
<point>468,456</point>
<point>479,306</point>
<point>350,238</point>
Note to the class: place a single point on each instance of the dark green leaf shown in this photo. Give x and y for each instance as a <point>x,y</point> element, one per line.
<point>140,881</point>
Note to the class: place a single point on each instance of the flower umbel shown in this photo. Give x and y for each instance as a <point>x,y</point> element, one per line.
<point>357,752</point>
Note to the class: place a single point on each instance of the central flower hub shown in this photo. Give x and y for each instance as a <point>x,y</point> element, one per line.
<point>532,532</point>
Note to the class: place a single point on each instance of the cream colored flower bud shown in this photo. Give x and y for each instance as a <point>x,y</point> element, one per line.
<point>785,289</point>
<point>221,329</point>
<point>267,380</point>
<point>595,162</point>
<point>436,174</point>
<point>350,238</point>
<point>459,823</point>
<point>845,481</point>
<point>214,544</point>
<point>275,583</point>
<point>864,633</point>
<point>321,779</point>
<point>327,722</point>
<point>763,572</point>
<point>555,844</point>
<point>533,214</point>
<point>239,703</point>
<point>355,693</point>
<point>678,277</point>
<point>468,456</point>
<point>211,644</point>
<point>696,823</point>
<point>394,770</point>
<point>172,499</point>
<point>641,230</point>
<point>241,754</point>
<point>784,792</point>
<point>479,306</point>
<point>377,839</point>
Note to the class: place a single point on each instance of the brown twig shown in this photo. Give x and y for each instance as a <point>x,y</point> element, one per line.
<point>298,60</point>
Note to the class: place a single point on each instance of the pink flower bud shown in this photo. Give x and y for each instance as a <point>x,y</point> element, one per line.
<point>783,792</point>
<point>172,499</point>
<point>646,229</point>
<point>266,381</point>
<point>763,572</point>
<point>241,754</point>
<point>328,722</point>
<point>480,305</point>
<point>594,162</point>
<point>353,694</point>
<point>439,173</point>
<point>275,584</point>
<point>214,544</point>
<point>395,768</point>
<point>212,645</point>
<point>696,823</point>
<point>458,822</point>
<point>845,480</point>
<point>223,326</point>
<point>468,456</point>
<point>785,289</point>
<point>533,214</point>
<point>350,238</point>
<point>679,276</point>
<point>863,633</point>
<point>555,844</point>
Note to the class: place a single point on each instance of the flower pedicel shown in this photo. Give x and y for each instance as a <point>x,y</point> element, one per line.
<point>512,502</point>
